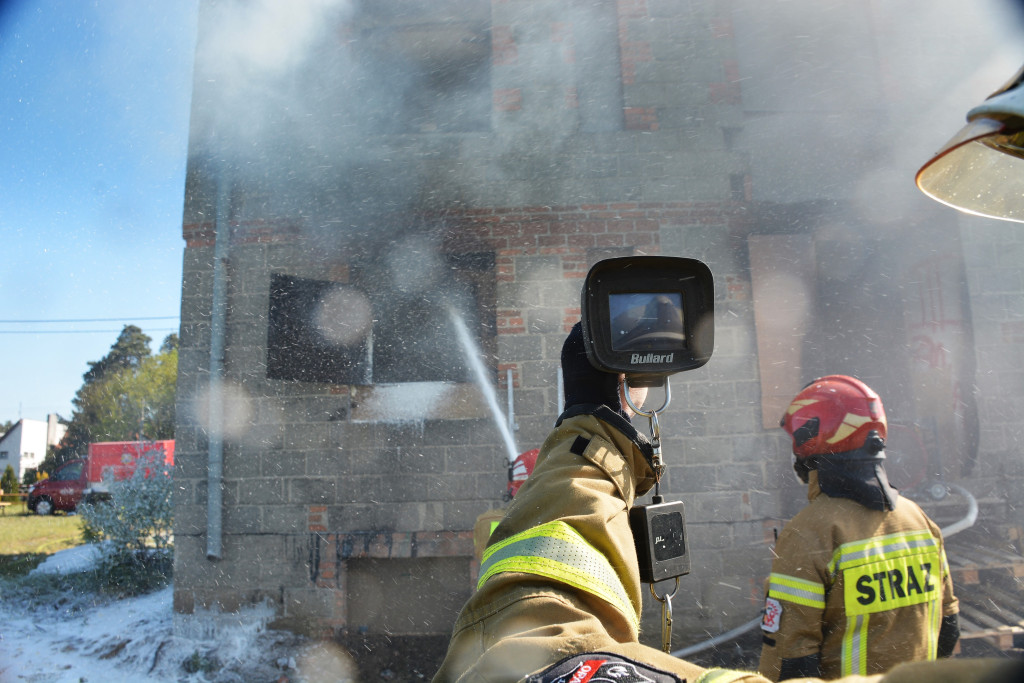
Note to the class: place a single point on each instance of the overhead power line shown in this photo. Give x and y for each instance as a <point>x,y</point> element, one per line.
<point>89,320</point>
<point>160,329</point>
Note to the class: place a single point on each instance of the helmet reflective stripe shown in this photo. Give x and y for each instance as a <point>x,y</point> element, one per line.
<point>881,547</point>
<point>800,403</point>
<point>557,551</point>
<point>800,591</point>
<point>849,425</point>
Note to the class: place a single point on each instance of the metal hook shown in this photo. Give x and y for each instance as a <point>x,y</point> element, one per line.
<point>652,419</point>
<point>666,615</point>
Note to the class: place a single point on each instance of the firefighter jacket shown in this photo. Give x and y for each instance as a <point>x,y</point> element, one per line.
<point>560,576</point>
<point>558,598</point>
<point>861,589</point>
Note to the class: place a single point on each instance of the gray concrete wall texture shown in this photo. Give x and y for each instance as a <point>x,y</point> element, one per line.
<point>552,134</point>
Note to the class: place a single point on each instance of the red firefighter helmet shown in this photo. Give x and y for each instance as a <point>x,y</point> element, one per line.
<point>520,469</point>
<point>833,414</point>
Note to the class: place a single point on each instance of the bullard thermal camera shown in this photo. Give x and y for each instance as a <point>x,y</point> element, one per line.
<point>649,317</point>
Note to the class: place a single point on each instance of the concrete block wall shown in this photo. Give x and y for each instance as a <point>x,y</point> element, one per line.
<point>318,502</point>
<point>332,490</point>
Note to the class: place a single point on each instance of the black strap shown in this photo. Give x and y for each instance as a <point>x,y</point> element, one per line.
<point>606,414</point>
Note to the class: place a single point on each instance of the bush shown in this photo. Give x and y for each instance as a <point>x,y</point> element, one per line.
<point>134,528</point>
<point>9,481</point>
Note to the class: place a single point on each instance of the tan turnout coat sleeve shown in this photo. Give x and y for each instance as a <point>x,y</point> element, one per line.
<point>517,623</point>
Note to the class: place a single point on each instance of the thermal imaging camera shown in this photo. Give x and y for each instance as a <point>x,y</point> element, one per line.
<point>648,316</point>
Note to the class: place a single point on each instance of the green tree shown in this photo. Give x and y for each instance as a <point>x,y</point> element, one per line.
<point>127,395</point>
<point>170,343</point>
<point>9,482</point>
<point>6,427</point>
<point>134,403</point>
<point>30,476</point>
<point>130,349</point>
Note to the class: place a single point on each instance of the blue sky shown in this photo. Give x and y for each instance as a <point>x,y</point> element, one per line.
<point>94,110</point>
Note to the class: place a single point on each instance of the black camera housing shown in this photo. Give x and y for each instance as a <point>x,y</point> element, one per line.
<point>659,533</point>
<point>648,316</point>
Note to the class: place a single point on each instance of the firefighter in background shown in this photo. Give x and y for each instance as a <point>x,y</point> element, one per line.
<point>859,582</point>
<point>558,598</point>
<point>518,471</point>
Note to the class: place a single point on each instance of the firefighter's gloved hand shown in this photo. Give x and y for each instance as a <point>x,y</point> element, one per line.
<point>583,383</point>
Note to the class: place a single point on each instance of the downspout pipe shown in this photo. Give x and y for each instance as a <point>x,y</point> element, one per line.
<point>215,429</point>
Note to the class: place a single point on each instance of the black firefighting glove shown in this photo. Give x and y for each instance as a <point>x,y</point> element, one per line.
<point>584,384</point>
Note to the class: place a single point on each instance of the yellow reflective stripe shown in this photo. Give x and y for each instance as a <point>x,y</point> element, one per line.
<point>722,676</point>
<point>855,645</point>
<point>800,591</point>
<point>557,551</point>
<point>934,624</point>
<point>891,545</point>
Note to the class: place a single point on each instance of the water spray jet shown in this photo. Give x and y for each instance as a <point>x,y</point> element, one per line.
<point>483,381</point>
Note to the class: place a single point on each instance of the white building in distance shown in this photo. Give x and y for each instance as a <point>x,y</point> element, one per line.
<point>24,445</point>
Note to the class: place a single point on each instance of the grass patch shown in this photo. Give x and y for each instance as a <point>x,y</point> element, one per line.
<point>26,539</point>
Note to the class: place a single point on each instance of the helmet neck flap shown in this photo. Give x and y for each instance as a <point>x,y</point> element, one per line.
<point>858,475</point>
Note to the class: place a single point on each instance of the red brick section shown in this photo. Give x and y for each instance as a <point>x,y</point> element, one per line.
<point>510,321</point>
<point>631,52</point>
<point>632,9</point>
<point>561,32</point>
<point>570,317</point>
<point>505,266</point>
<point>503,369</point>
<point>572,98</point>
<point>250,232</point>
<point>728,91</point>
<point>317,518</point>
<point>641,118</point>
<point>737,288</point>
<point>507,99</point>
<point>503,46</point>
<point>567,231</point>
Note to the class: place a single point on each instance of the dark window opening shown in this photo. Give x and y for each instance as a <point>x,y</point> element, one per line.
<point>300,343</point>
<point>431,64</point>
<point>369,331</point>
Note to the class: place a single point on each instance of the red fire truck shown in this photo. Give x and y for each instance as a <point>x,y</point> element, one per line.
<point>91,476</point>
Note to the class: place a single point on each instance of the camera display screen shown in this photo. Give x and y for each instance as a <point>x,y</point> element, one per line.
<point>648,317</point>
<point>669,536</point>
<point>646,321</point>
